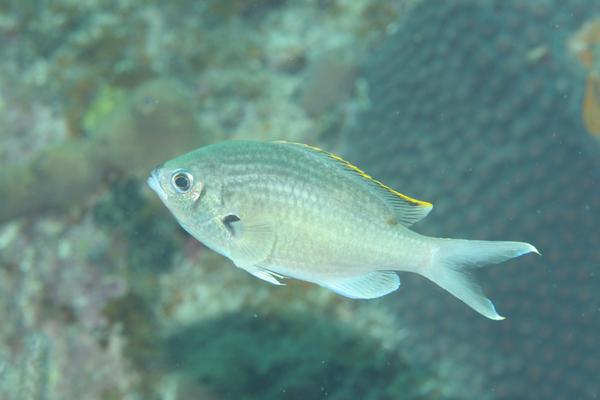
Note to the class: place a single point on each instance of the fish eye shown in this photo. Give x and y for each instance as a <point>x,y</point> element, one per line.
<point>182,181</point>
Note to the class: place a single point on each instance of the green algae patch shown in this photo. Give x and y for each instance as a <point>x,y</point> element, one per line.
<point>106,101</point>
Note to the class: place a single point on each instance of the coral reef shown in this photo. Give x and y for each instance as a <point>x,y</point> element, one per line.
<point>33,377</point>
<point>27,379</point>
<point>129,141</point>
<point>329,81</point>
<point>54,286</point>
<point>475,106</point>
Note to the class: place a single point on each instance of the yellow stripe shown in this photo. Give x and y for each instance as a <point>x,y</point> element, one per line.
<point>363,174</point>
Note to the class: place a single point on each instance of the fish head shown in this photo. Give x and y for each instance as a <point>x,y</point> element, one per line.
<point>190,188</point>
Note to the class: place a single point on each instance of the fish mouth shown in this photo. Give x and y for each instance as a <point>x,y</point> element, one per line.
<point>154,184</point>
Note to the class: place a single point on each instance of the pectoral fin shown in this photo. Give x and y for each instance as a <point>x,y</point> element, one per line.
<point>252,241</point>
<point>369,286</point>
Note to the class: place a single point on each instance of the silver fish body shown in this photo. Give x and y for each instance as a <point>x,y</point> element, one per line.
<point>280,209</point>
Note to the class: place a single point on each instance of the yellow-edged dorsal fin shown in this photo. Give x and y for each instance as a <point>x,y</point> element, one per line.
<point>406,209</point>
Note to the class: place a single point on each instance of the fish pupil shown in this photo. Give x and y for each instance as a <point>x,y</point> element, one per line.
<point>182,182</point>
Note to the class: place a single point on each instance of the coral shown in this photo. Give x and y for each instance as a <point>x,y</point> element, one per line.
<point>475,106</point>
<point>33,377</point>
<point>29,126</point>
<point>132,139</point>
<point>292,356</point>
<point>156,122</point>
<point>329,81</point>
<point>27,379</point>
<point>54,338</point>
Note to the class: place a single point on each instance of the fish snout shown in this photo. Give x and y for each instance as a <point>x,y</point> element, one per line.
<point>154,183</point>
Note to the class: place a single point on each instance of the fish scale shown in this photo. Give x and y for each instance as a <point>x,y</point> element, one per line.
<point>287,210</point>
<point>273,196</point>
<point>276,180</point>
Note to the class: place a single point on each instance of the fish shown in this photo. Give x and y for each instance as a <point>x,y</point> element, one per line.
<point>282,210</point>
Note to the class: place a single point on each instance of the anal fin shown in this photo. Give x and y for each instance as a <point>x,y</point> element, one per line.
<point>369,286</point>
<point>266,275</point>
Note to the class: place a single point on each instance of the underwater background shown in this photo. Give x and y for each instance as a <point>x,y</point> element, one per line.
<point>490,109</point>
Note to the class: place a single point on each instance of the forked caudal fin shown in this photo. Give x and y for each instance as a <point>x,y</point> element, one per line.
<point>455,258</point>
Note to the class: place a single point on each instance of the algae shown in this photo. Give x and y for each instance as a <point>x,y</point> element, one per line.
<point>106,101</point>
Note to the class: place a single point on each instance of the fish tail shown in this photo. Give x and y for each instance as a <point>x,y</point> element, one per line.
<point>455,258</point>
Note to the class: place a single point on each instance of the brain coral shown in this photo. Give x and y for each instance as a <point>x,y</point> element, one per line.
<point>476,106</point>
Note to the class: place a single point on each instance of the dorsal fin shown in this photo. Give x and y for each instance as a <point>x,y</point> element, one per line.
<point>406,209</point>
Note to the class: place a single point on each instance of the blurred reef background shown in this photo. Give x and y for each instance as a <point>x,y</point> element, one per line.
<point>488,108</point>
